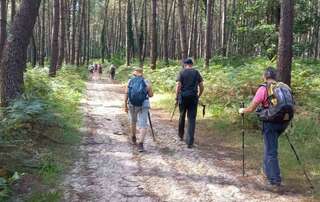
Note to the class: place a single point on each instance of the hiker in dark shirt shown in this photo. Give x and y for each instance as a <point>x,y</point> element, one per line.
<point>188,91</point>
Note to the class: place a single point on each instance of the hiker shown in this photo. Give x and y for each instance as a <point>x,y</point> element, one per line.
<point>274,123</point>
<point>137,104</point>
<point>100,69</point>
<point>90,68</point>
<point>112,71</point>
<point>189,89</point>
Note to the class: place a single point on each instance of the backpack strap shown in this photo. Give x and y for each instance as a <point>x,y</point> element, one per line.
<point>266,85</point>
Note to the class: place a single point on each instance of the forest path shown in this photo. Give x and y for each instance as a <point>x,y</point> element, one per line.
<point>111,169</point>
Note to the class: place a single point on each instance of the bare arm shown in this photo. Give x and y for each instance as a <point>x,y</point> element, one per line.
<point>251,108</point>
<point>201,88</point>
<point>150,91</point>
<point>126,100</point>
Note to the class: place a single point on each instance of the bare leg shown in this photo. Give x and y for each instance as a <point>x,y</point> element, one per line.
<point>143,132</point>
<point>133,133</point>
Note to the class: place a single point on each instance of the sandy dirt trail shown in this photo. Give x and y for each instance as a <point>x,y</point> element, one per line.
<point>110,168</point>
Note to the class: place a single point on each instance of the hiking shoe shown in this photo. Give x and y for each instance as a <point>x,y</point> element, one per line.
<point>140,147</point>
<point>134,139</point>
<point>190,146</point>
<point>274,187</point>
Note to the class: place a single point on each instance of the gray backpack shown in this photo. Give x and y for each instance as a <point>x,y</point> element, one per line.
<point>281,103</point>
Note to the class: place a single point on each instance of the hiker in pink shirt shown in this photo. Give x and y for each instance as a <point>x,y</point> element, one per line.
<point>271,130</point>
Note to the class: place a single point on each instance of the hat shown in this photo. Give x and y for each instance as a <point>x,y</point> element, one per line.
<point>137,71</point>
<point>188,61</point>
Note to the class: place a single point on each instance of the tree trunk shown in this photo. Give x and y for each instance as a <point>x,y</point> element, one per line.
<point>43,34</point>
<point>62,35</point>
<point>129,38</point>
<point>14,57</point>
<point>73,35</point>
<point>13,9</point>
<point>209,24</point>
<point>3,25</point>
<point>166,33</point>
<point>34,51</point>
<point>55,39</point>
<point>154,39</point>
<point>285,41</point>
<point>183,30</point>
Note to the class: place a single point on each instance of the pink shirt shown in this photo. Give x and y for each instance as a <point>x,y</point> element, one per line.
<point>261,97</point>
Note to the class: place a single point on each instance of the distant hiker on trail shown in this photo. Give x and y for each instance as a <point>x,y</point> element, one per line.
<point>187,96</point>
<point>112,71</point>
<point>276,111</point>
<point>137,104</point>
<point>100,69</point>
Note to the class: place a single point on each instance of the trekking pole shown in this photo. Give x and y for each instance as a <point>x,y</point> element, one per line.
<point>242,131</point>
<point>300,163</point>
<point>151,127</point>
<point>173,111</point>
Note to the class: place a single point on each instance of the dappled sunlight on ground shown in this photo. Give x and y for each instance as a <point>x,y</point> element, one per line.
<point>111,169</point>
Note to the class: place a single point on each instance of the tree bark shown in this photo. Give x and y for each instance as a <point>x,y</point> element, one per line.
<point>55,39</point>
<point>183,30</point>
<point>62,33</point>
<point>285,41</point>
<point>13,9</point>
<point>14,58</point>
<point>154,39</point>
<point>129,38</point>
<point>3,25</point>
<point>166,33</point>
<point>73,34</point>
<point>208,46</point>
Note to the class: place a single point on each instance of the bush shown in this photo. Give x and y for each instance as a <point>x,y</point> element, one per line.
<point>46,103</point>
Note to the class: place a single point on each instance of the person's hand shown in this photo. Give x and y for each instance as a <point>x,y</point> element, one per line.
<point>241,111</point>
<point>126,109</point>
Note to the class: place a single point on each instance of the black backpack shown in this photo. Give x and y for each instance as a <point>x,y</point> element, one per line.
<point>281,103</point>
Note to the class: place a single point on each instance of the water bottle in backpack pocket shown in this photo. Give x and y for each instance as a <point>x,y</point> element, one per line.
<point>281,103</point>
<point>137,91</point>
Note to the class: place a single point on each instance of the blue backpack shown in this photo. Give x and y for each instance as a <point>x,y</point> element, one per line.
<point>137,91</point>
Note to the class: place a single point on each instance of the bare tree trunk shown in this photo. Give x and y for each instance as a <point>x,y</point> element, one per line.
<point>223,27</point>
<point>62,36</point>
<point>154,39</point>
<point>285,41</point>
<point>3,25</point>
<point>34,51</point>
<point>209,24</point>
<point>13,9</point>
<point>43,34</point>
<point>55,39</point>
<point>14,57</point>
<point>129,38</point>
<point>183,30</point>
<point>73,37</point>
<point>88,34</point>
<point>166,33</point>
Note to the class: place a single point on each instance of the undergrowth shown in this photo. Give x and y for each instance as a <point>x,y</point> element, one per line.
<point>228,82</point>
<point>38,128</point>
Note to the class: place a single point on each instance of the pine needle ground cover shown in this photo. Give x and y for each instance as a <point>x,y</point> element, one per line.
<point>230,81</point>
<point>37,131</point>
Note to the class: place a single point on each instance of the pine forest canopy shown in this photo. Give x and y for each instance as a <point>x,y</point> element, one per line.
<point>75,31</point>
